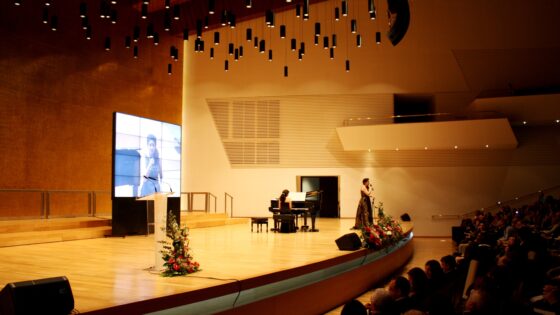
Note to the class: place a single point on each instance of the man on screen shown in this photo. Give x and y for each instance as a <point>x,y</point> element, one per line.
<point>150,166</point>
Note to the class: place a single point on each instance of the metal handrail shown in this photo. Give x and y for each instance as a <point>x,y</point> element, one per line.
<point>207,195</point>
<point>45,207</point>
<point>230,197</point>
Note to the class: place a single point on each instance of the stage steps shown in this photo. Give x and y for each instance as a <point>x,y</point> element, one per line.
<point>195,220</point>
<point>25,232</point>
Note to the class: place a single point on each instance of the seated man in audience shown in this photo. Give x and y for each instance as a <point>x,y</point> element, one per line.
<point>399,288</point>
<point>549,301</point>
<point>382,303</point>
<point>354,307</point>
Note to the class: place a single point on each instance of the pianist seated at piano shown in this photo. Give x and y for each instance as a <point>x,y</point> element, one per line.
<point>284,203</point>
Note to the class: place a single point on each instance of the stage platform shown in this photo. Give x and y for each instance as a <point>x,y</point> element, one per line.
<point>242,272</point>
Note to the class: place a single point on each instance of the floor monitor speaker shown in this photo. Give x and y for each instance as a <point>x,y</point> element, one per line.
<point>350,241</point>
<point>43,296</point>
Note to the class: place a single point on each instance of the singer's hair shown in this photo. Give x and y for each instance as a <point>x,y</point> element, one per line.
<point>365,180</point>
<point>151,138</point>
<point>284,194</point>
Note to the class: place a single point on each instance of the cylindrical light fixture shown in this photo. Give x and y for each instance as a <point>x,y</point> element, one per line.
<point>371,6</point>
<point>241,51</point>
<point>114,16</point>
<point>285,71</point>
<point>216,38</point>
<point>331,53</point>
<point>156,39</point>
<point>83,10</point>
<point>256,42</point>
<point>236,54</point>
<point>230,48</point>
<point>317,29</point>
<point>248,4</point>
<point>176,12</point>
<point>282,31</point>
<point>378,38</point>
<point>262,46</point>
<point>326,42</point>
<point>315,40</point>
<point>212,6</point>
<point>353,26</point>
<point>270,55</point>
<point>226,66</point>
<point>211,52</point>
<point>127,42</point>
<point>150,30</point>
<point>347,65</point>
<point>298,10</point>
<point>144,11</point>
<point>107,43</point>
<point>293,44</point>
<point>249,34</point>
<point>167,4</point>
<point>185,34</point>
<point>169,69</point>
<point>305,8</point>
<point>88,33</point>
<point>359,40</point>
<point>136,33</point>
<point>333,41</point>
<point>167,21</point>
<point>344,6</point>
<point>46,16</point>
<point>135,52</point>
<point>302,48</point>
<point>198,28</point>
<point>54,23</point>
<point>337,14</point>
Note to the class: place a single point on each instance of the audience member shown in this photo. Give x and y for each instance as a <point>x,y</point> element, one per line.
<point>399,288</point>
<point>354,307</point>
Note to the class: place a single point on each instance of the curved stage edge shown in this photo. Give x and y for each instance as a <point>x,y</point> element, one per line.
<point>311,289</point>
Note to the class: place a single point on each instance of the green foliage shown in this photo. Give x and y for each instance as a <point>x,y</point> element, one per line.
<point>175,253</point>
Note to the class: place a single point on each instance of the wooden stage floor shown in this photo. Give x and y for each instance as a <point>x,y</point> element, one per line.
<point>112,271</point>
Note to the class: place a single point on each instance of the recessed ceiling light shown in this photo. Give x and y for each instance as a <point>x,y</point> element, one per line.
<point>425,148</point>
<point>524,122</point>
<point>456,147</point>
<point>487,146</point>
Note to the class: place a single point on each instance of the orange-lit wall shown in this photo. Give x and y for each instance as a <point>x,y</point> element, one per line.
<point>58,93</point>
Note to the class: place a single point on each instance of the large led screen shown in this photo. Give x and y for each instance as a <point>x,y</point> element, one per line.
<point>146,156</point>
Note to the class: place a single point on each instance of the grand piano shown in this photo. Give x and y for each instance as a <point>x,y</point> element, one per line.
<point>304,204</point>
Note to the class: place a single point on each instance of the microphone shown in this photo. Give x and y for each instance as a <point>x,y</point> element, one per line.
<point>151,179</point>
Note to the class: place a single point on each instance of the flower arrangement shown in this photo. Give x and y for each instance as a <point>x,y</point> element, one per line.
<point>175,253</point>
<point>386,232</point>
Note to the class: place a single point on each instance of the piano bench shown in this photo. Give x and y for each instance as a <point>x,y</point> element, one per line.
<point>259,221</point>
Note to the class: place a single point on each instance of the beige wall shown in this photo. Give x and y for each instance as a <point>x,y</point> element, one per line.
<point>425,62</point>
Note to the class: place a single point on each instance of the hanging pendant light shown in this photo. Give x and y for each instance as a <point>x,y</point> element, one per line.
<point>211,6</point>
<point>331,53</point>
<point>54,23</point>
<point>176,12</point>
<point>378,38</point>
<point>262,46</point>
<point>127,42</point>
<point>326,42</point>
<point>230,49</point>
<point>333,41</point>
<point>344,6</point>
<point>135,52</point>
<point>240,51</point>
<point>136,33</point>
<point>256,42</point>
<point>46,16</point>
<point>359,40</point>
<point>226,66</point>
<point>347,65</point>
<point>371,6</point>
<point>216,38</point>
<point>298,10</point>
<point>198,28</point>
<point>249,34</point>
<point>107,43</point>
<point>236,54</point>
<point>293,44</point>
<point>302,48</point>
<point>88,33</point>
<point>337,14</point>
<point>353,26</point>
<point>305,8</point>
<point>317,29</point>
<point>156,40</point>
<point>248,4</point>
<point>285,71</point>
<point>185,34</point>
<point>211,52</point>
<point>169,69</point>
<point>282,31</point>
<point>150,31</point>
<point>83,10</point>
<point>270,55</point>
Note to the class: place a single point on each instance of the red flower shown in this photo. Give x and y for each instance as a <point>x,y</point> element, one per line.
<point>171,260</point>
<point>176,267</point>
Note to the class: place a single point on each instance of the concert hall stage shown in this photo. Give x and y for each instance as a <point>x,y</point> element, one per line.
<point>242,272</point>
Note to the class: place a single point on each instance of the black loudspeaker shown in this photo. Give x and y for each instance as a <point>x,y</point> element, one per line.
<point>401,10</point>
<point>43,296</point>
<point>350,241</point>
<point>405,217</point>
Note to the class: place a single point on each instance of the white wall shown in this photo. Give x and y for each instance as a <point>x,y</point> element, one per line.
<point>419,184</point>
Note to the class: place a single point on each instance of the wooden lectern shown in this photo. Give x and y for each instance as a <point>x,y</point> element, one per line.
<point>160,221</point>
